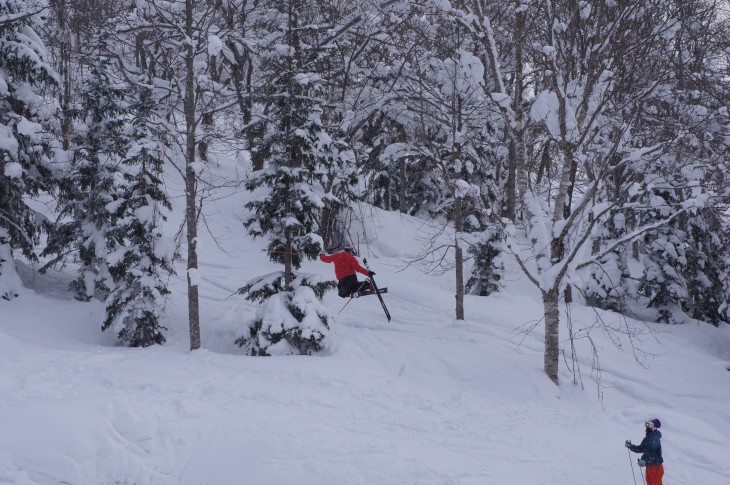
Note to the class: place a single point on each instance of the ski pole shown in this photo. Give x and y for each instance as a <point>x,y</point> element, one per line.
<point>632,470</point>
<point>343,306</point>
<point>631,462</point>
<point>642,477</point>
<point>375,289</point>
<point>348,301</point>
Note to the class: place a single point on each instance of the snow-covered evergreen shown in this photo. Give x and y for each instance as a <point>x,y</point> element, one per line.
<point>88,191</point>
<point>293,322</point>
<point>25,142</point>
<point>306,180</point>
<point>487,267</point>
<point>140,256</point>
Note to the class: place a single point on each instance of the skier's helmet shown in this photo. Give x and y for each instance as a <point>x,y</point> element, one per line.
<point>350,249</point>
<point>653,424</point>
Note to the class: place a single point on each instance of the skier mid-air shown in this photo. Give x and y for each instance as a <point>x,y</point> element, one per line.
<point>348,286</point>
<point>346,269</point>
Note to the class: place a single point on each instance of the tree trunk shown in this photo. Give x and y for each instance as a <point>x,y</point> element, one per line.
<point>458,225</point>
<point>208,116</point>
<point>402,206</point>
<point>65,71</point>
<point>327,227</point>
<point>191,184</point>
<point>562,206</point>
<point>255,133</point>
<point>203,144</point>
<point>552,327</point>
<point>510,205</point>
<point>192,234</point>
<point>544,167</point>
<point>288,276</point>
<point>518,134</point>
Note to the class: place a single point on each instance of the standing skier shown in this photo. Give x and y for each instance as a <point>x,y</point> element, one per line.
<point>346,267</point>
<point>651,449</point>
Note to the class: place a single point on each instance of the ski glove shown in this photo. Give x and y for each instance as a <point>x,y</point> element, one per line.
<point>628,443</point>
<point>642,463</point>
<point>371,273</point>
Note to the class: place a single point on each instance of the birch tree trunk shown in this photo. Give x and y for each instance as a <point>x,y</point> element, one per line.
<point>552,327</point>
<point>510,197</point>
<point>518,133</point>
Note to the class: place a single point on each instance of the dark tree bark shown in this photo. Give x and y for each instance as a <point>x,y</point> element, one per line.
<point>459,257</point>
<point>191,183</point>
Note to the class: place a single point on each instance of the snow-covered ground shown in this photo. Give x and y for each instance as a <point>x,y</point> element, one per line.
<point>424,399</point>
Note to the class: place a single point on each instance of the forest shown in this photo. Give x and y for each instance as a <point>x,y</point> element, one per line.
<point>588,141</point>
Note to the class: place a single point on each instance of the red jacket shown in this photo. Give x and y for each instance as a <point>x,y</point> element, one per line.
<point>345,264</point>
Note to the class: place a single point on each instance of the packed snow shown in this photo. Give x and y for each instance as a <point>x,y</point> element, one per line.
<point>423,399</point>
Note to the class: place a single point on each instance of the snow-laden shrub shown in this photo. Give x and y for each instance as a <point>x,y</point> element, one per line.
<point>287,322</point>
<point>486,274</point>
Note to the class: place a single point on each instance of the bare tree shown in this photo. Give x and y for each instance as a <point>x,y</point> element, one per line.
<point>601,63</point>
<point>442,89</point>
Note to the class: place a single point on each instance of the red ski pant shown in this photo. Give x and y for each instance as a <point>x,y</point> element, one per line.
<point>654,474</point>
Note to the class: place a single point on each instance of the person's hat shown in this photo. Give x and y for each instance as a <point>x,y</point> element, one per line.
<point>349,248</point>
<point>653,424</point>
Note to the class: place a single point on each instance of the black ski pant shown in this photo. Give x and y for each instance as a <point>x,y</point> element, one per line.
<point>348,286</point>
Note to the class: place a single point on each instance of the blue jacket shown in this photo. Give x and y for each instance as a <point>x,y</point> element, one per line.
<point>651,447</point>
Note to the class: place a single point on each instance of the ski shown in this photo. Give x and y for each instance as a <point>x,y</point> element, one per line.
<point>377,291</point>
<point>369,292</point>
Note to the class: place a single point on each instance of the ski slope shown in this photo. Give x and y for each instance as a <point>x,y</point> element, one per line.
<point>424,399</point>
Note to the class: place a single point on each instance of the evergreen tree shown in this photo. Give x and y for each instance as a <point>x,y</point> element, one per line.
<point>609,283</point>
<point>663,282</point>
<point>295,184</point>
<point>87,195</point>
<point>24,145</point>
<point>288,322</point>
<point>139,254</point>
<point>486,275</point>
<point>676,270</point>
<point>111,203</point>
<point>307,172</point>
<point>708,264</point>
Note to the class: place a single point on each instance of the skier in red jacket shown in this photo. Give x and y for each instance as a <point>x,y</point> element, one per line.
<point>346,267</point>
